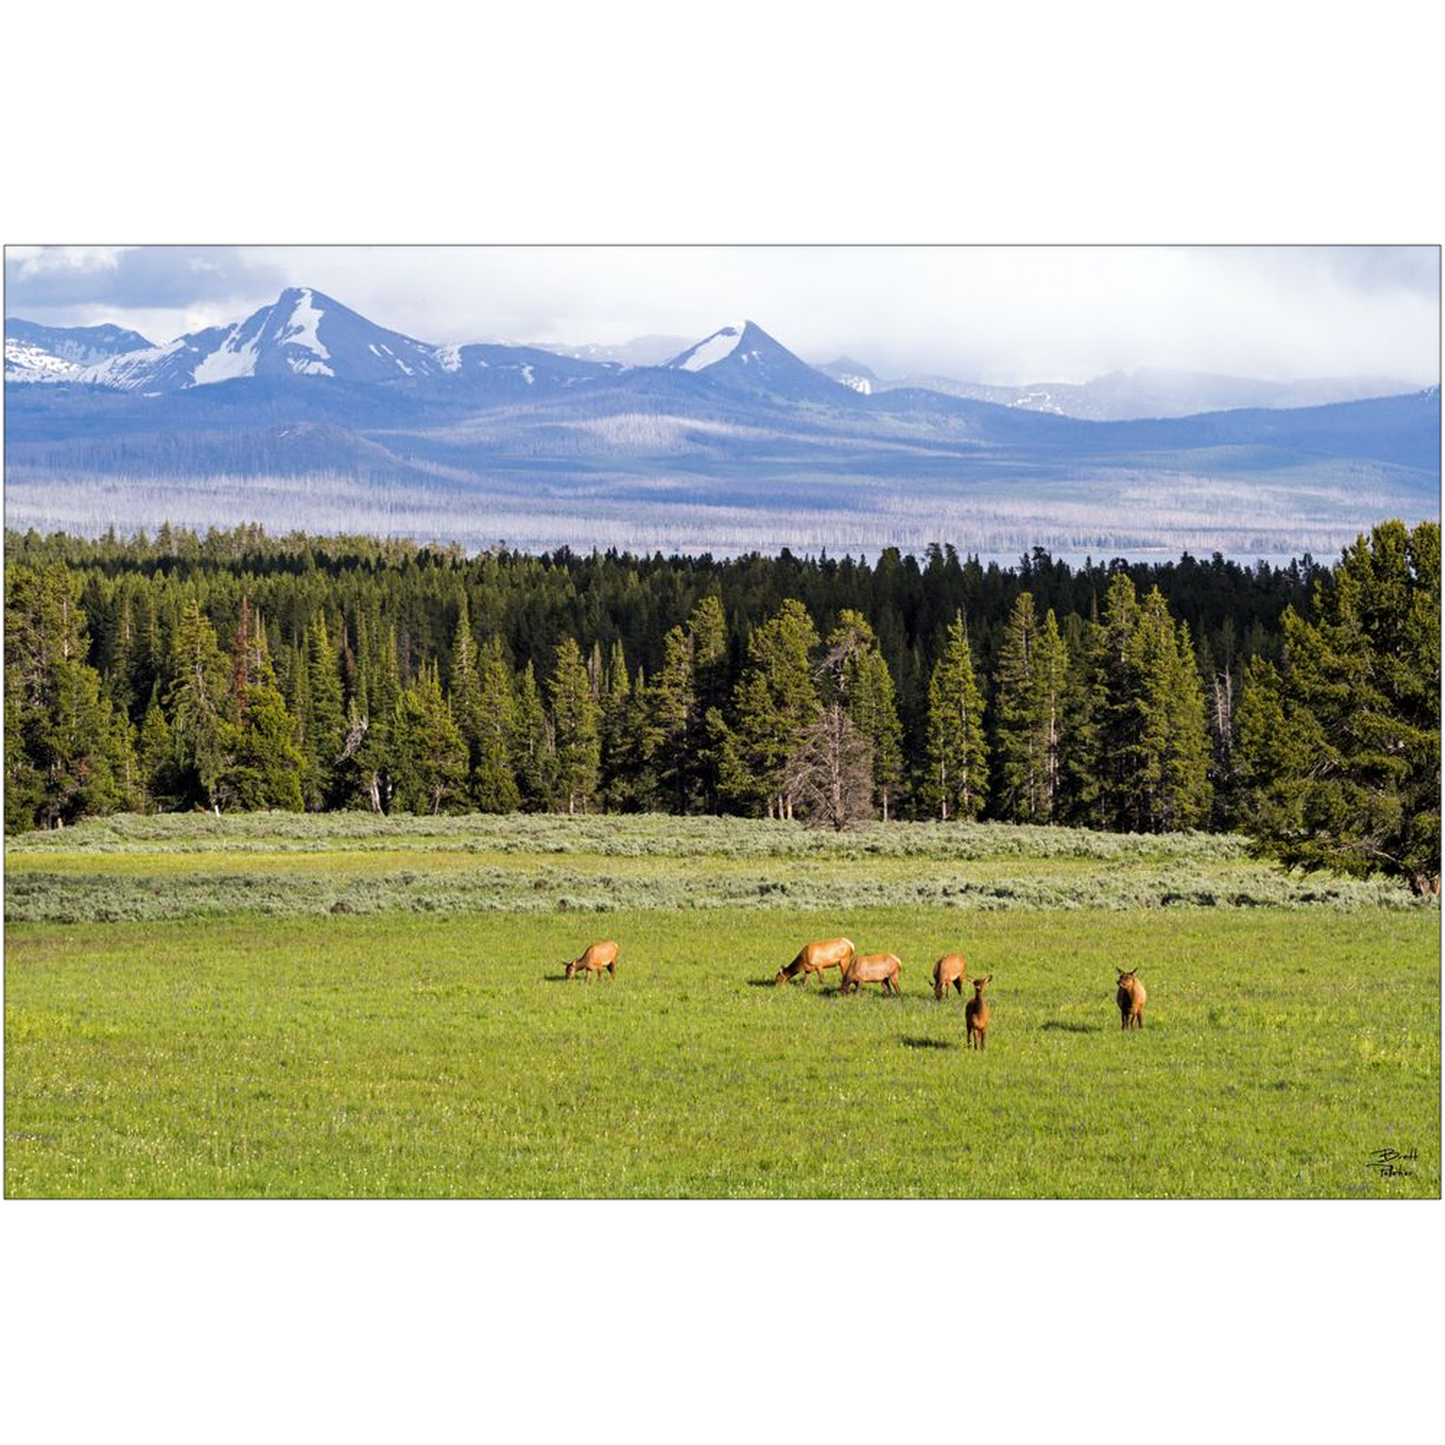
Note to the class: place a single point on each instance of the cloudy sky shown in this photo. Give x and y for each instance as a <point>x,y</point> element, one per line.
<point>996,314</point>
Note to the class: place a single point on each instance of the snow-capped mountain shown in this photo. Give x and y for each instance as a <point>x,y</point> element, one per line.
<point>306,413</point>
<point>304,333</point>
<point>745,358</point>
<point>59,353</point>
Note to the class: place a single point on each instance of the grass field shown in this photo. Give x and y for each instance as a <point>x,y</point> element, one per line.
<point>342,1007</point>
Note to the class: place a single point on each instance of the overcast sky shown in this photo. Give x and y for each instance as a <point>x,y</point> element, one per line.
<point>995,314</point>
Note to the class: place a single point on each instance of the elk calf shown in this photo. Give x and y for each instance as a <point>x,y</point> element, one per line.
<point>949,970</point>
<point>975,1014</point>
<point>598,956</point>
<point>1131,998</point>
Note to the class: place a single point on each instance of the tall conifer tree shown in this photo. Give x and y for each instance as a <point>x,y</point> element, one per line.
<point>575,723</point>
<point>957,783</point>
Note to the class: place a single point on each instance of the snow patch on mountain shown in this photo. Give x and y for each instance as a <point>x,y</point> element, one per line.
<point>231,359</point>
<point>710,350</point>
<point>29,363</point>
<point>132,370</point>
<point>301,330</point>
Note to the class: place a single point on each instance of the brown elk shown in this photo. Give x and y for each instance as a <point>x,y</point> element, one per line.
<point>975,1014</point>
<point>949,970</point>
<point>599,956</point>
<point>1131,997</point>
<point>881,968</point>
<point>815,957</point>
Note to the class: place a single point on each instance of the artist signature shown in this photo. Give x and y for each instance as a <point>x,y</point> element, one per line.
<point>1391,1162</point>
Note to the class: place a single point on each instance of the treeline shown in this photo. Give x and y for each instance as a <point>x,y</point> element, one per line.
<point>238,671</point>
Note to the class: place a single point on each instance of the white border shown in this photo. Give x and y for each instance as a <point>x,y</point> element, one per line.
<point>753,122</point>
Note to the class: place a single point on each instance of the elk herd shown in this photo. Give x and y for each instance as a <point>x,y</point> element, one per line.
<point>855,969</point>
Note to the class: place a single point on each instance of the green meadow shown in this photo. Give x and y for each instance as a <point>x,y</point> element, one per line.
<point>349,1006</point>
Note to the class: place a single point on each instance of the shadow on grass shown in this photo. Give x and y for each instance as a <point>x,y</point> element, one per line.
<point>1072,1028</point>
<point>865,992</point>
<point>917,1043</point>
<point>761,983</point>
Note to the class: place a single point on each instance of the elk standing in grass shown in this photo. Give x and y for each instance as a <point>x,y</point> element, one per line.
<point>1131,998</point>
<point>881,968</point>
<point>949,970</point>
<point>598,956</point>
<point>815,957</point>
<point>975,1014</point>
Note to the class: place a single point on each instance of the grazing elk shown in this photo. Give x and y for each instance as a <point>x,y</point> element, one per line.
<point>598,956</point>
<point>881,968</point>
<point>1131,997</point>
<point>949,970</point>
<point>975,1014</point>
<point>815,957</point>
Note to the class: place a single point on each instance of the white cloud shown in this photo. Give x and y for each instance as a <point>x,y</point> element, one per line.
<point>49,260</point>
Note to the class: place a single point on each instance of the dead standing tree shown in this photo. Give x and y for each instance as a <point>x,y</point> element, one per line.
<point>829,774</point>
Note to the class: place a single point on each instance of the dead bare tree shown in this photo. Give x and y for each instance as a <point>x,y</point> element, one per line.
<point>830,772</point>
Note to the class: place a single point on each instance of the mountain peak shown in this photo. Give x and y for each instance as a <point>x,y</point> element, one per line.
<point>743,357</point>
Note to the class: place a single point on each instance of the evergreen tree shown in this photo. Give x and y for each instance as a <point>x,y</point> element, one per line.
<point>575,724</point>
<point>1189,794</point>
<point>860,680</point>
<point>429,755</point>
<point>957,752</point>
<point>775,704</point>
<point>199,703</point>
<point>707,628</point>
<point>62,742</point>
<point>375,771</point>
<point>1018,746</point>
<point>1030,704</point>
<point>1081,750</point>
<point>670,741</point>
<point>494,718</point>
<point>1164,770</point>
<point>1113,687</point>
<point>1340,750</point>
<point>326,732</point>
<point>160,773</point>
<point>24,779</point>
<point>535,749</point>
<point>620,737</point>
<point>1050,705</point>
<point>266,766</point>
